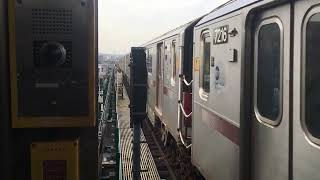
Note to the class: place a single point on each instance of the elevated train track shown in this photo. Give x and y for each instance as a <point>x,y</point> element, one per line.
<point>162,159</point>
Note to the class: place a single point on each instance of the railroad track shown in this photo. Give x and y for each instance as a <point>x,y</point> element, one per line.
<point>166,171</point>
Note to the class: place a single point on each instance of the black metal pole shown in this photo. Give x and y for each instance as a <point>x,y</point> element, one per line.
<point>136,150</point>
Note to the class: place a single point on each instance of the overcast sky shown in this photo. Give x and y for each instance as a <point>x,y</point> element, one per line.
<point>126,23</point>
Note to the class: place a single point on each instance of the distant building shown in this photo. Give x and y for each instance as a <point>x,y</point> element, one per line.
<point>104,58</point>
<point>105,62</point>
<point>103,68</point>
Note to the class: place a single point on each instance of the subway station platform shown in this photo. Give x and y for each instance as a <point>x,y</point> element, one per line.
<point>148,166</point>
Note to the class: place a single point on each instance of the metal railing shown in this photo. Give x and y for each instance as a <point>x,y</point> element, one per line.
<point>109,115</point>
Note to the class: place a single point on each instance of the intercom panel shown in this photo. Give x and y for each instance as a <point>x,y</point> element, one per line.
<point>52,62</point>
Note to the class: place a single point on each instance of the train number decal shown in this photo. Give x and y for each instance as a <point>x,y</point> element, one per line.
<point>221,35</point>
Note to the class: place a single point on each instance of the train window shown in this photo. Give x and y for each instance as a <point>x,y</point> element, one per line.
<point>173,59</point>
<point>159,60</point>
<point>312,75</point>
<point>205,69</point>
<point>268,73</point>
<point>149,61</point>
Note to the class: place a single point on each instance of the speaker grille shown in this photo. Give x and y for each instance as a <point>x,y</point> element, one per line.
<point>51,21</point>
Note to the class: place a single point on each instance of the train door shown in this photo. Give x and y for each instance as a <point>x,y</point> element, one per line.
<point>306,91</point>
<point>159,77</point>
<point>270,122</point>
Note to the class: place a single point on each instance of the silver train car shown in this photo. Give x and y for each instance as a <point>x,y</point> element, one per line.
<point>169,60</point>
<point>253,82</point>
<point>123,66</point>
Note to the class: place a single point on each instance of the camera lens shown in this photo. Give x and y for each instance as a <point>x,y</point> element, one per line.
<point>52,54</point>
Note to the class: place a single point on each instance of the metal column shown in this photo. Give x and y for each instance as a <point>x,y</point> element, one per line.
<point>136,150</point>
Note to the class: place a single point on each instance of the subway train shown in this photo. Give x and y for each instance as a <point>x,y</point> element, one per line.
<point>236,92</point>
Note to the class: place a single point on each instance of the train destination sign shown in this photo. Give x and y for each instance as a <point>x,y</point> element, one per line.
<point>221,35</point>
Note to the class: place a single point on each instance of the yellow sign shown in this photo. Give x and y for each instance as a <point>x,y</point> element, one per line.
<point>196,64</point>
<point>55,160</point>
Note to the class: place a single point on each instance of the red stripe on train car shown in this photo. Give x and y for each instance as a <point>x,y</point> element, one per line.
<point>221,125</point>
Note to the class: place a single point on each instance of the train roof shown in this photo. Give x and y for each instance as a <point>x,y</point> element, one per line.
<point>171,33</point>
<point>226,8</point>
